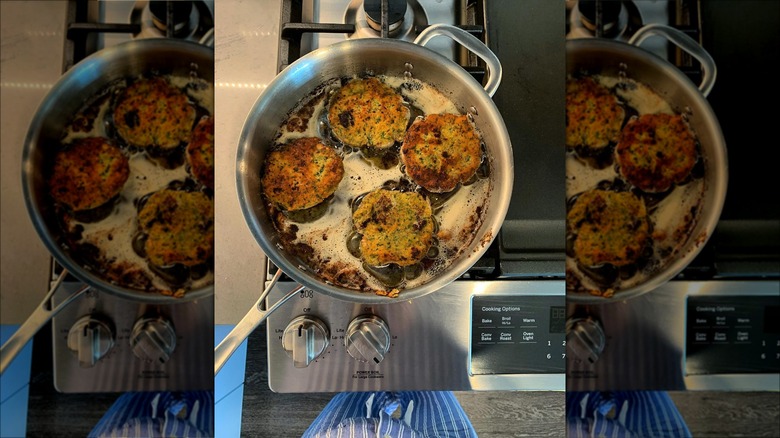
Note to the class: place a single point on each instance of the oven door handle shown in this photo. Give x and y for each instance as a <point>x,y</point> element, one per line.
<point>249,323</point>
<point>42,314</point>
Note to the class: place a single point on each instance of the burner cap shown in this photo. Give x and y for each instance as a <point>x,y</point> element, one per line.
<point>181,14</point>
<point>610,13</point>
<point>396,9</point>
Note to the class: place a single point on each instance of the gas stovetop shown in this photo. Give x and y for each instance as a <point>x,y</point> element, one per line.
<point>102,343</point>
<point>501,326</point>
<point>525,264</point>
<point>686,334</point>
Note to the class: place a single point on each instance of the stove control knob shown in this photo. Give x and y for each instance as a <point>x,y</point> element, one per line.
<point>585,338</point>
<point>367,339</point>
<point>153,339</point>
<point>305,338</point>
<point>91,337</point>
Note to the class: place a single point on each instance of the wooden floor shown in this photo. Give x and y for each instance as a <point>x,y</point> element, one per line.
<point>730,414</point>
<point>493,414</point>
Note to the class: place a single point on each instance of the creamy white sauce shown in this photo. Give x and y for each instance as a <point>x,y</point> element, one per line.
<point>361,176</point>
<point>638,96</point>
<point>114,234</point>
<point>581,177</point>
<point>422,95</point>
<point>313,124</point>
<point>98,127</point>
<point>199,90</point>
<point>671,227</point>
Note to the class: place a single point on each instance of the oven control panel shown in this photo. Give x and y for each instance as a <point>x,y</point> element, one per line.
<point>732,334</point>
<point>103,343</point>
<point>506,335</point>
<point>714,335</point>
<point>518,334</point>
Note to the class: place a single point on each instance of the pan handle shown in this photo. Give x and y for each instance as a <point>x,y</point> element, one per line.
<point>471,43</point>
<point>42,314</point>
<point>686,43</point>
<point>253,318</point>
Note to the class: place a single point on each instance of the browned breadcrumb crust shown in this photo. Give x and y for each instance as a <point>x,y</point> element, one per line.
<point>367,112</point>
<point>396,227</point>
<point>301,174</point>
<point>88,173</point>
<point>440,151</point>
<point>153,113</point>
<point>178,293</point>
<point>200,152</point>
<point>593,115</point>
<point>656,151</point>
<point>179,227</point>
<point>609,227</point>
<point>392,293</point>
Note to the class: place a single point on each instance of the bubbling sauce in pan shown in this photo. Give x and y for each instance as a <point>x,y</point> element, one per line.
<point>672,214</point>
<point>110,246</point>
<point>327,241</point>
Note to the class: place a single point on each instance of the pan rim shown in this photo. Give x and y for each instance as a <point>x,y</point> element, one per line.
<point>344,50</point>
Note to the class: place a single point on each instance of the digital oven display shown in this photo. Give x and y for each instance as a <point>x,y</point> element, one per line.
<point>558,319</point>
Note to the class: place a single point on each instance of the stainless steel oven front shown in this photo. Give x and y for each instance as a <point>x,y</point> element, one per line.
<point>102,343</point>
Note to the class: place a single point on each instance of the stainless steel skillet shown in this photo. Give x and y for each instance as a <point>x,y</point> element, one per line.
<point>358,58</point>
<point>76,87</point>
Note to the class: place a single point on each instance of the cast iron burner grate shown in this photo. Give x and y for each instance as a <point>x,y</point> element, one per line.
<point>82,26</point>
<point>292,29</point>
<point>621,19</point>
